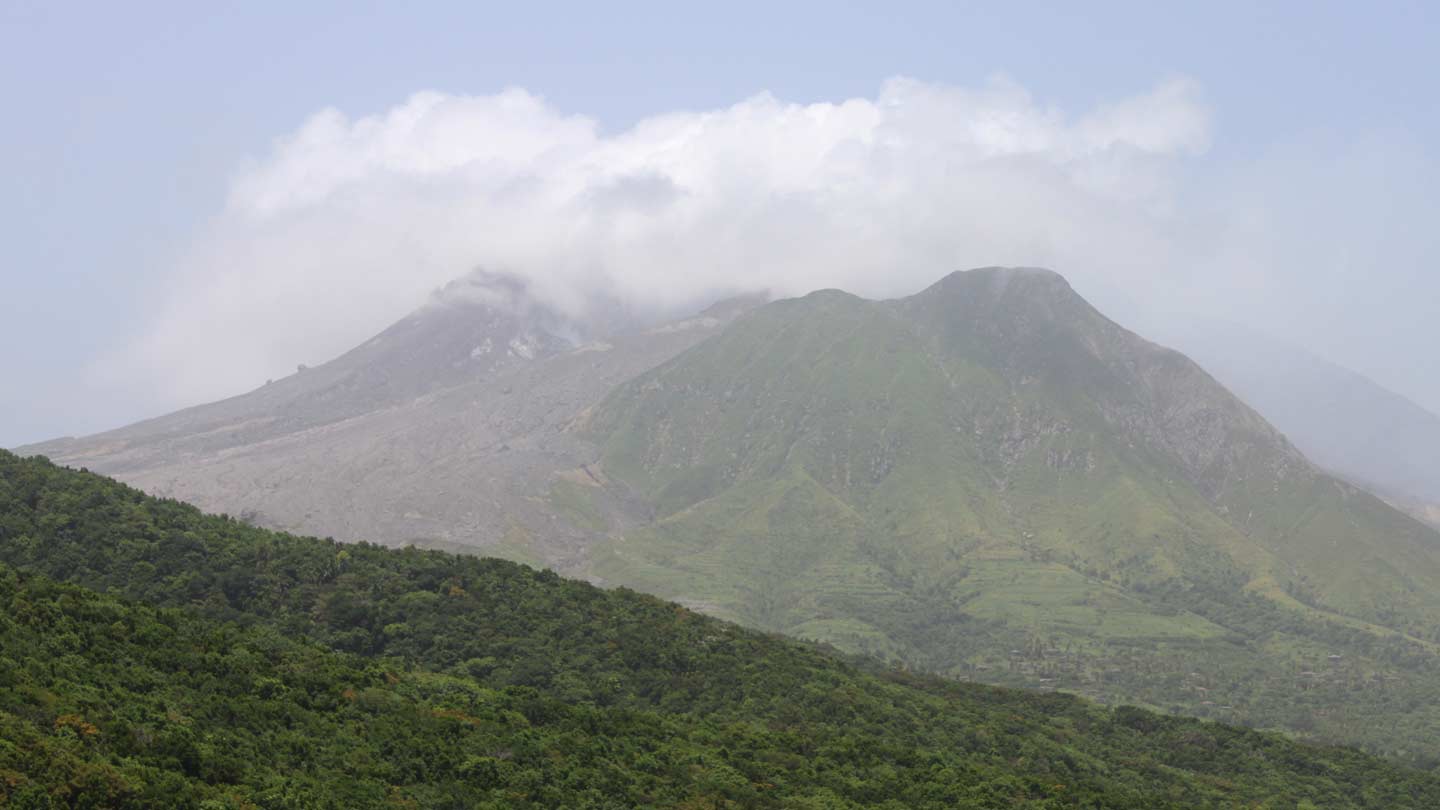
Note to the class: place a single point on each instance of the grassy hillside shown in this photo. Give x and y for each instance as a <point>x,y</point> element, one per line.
<point>226,666</point>
<point>992,479</point>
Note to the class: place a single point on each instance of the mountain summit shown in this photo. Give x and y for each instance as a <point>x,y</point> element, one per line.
<point>997,420</point>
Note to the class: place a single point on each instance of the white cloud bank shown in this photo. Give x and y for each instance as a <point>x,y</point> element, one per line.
<point>348,223</point>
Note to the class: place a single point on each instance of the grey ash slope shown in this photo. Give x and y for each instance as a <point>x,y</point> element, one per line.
<point>445,429</point>
<point>473,329</point>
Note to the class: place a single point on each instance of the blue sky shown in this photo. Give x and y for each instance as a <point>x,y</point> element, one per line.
<point>129,123</point>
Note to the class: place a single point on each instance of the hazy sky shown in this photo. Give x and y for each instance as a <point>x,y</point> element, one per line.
<point>197,200</point>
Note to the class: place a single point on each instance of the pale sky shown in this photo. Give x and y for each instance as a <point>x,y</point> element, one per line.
<point>197,200</point>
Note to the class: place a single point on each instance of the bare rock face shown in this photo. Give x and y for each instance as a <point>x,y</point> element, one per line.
<point>446,429</point>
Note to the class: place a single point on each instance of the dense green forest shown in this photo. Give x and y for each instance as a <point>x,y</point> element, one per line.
<point>152,656</point>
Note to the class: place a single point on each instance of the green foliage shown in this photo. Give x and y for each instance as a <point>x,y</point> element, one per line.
<point>991,480</point>
<point>208,664</point>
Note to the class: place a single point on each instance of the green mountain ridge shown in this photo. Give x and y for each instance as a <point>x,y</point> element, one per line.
<point>226,666</point>
<point>991,479</point>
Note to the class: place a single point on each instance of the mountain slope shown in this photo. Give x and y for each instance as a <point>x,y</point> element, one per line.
<point>440,431</point>
<point>468,682</point>
<point>990,478</point>
<point>1387,443</point>
<point>473,329</point>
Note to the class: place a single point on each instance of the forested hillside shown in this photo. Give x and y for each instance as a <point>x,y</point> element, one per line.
<point>226,666</point>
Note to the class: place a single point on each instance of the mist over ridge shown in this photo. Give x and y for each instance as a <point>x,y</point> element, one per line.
<point>348,222</point>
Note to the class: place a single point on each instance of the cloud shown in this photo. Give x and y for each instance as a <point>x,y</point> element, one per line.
<point>347,223</point>
<point>1331,244</point>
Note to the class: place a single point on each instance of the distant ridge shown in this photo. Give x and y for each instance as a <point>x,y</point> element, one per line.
<point>1342,420</point>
